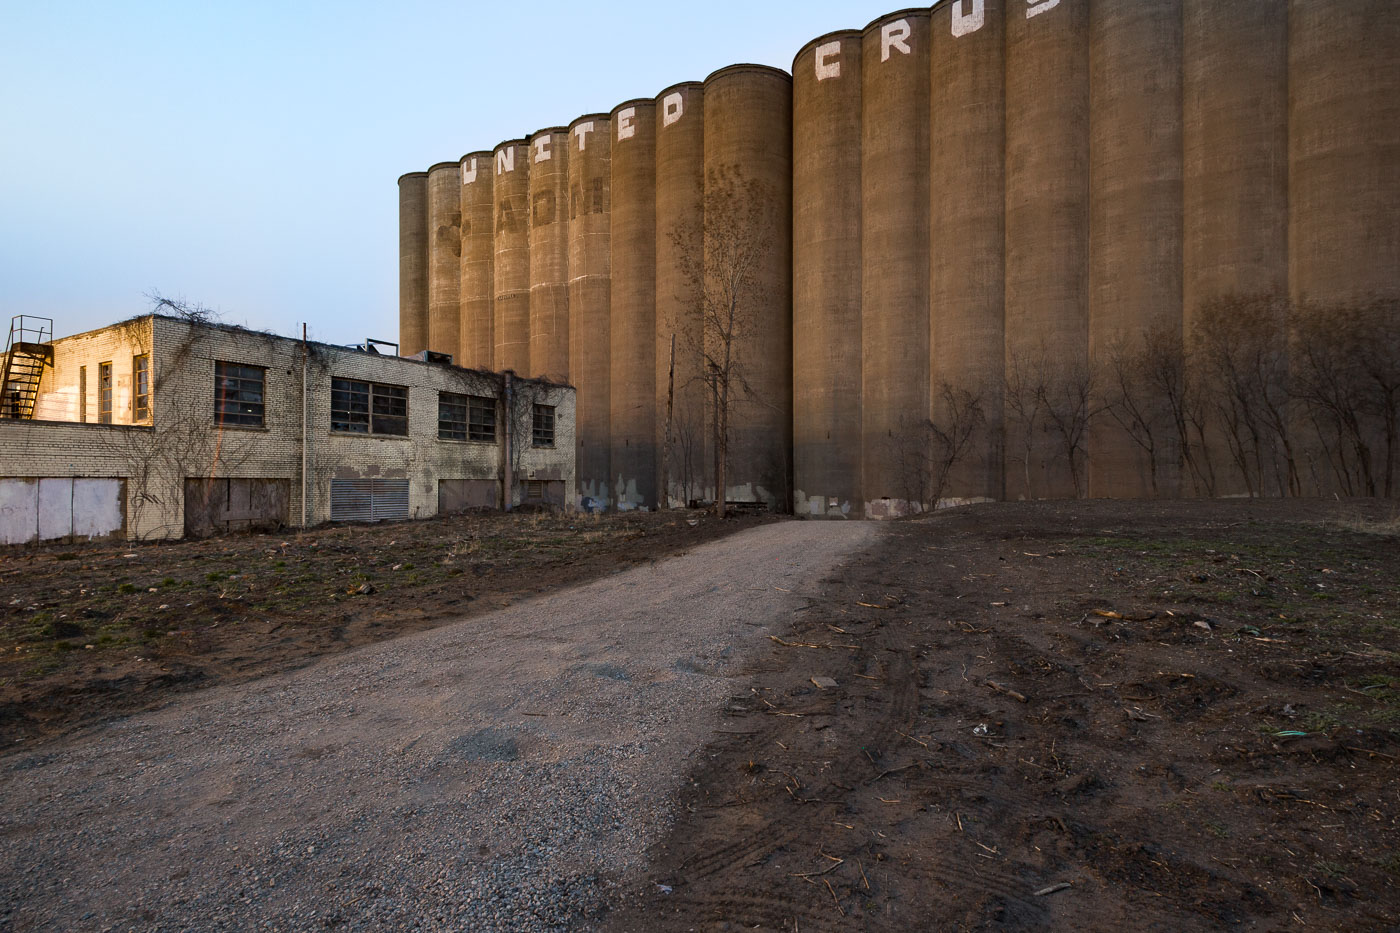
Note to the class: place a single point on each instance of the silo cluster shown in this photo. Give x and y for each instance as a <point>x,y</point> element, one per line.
<point>973,207</point>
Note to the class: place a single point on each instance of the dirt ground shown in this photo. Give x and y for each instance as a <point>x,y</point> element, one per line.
<point>92,631</point>
<point>1097,715</point>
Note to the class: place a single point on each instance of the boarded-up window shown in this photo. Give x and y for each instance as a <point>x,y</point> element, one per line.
<point>458,495</point>
<point>214,506</point>
<point>369,500</point>
<point>549,491</point>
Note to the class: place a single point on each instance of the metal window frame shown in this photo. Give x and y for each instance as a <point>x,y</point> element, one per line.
<point>141,387</point>
<point>452,416</point>
<point>104,392</point>
<point>542,431</point>
<point>481,418</point>
<point>245,412</point>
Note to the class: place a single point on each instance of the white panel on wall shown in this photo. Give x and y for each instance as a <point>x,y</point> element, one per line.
<point>19,510</point>
<point>97,507</point>
<point>55,508</point>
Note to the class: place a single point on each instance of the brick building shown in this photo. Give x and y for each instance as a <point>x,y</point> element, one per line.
<point>161,426</point>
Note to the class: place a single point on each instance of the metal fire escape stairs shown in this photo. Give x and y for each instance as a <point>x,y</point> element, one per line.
<point>27,351</point>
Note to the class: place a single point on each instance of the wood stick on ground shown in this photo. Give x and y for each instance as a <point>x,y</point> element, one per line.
<point>1053,888</point>
<point>1003,688</point>
<point>803,644</point>
<point>834,897</point>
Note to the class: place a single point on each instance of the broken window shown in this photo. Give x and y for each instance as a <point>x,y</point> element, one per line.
<point>104,393</point>
<point>466,417</point>
<point>141,400</point>
<point>543,434</point>
<point>368,407</point>
<point>238,394</point>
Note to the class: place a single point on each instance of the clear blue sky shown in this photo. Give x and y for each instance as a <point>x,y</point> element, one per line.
<point>244,155</point>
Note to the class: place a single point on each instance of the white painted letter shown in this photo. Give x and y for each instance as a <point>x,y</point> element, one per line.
<point>892,36</point>
<point>965,23</point>
<point>625,129</point>
<point>1040,6</point>
<point>505,160</point>
<point>542,153</point>
<point>581,131</point>
<point>672,108</point>
<point>469,175</point>
<point>827,69</point>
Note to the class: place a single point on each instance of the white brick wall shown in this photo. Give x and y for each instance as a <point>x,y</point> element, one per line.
<point>183,441</point>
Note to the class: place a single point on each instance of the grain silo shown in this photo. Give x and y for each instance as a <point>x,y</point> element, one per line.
<point>1234,181</point>
<point>748,142</point>
<point>680,170</point>
<point>444,256</point>
<point>895,261</point>
<point>1235,145</point>
<point>590,256</point>
<point>826,271</point>
<point>413,263</point>
<point>632,383</point>
<point>549,254</point>
<point>511,305</point>
<point>1135,235</point>
<point>478,254</point>
<point>1047,226</point>
<point>967,233</point>
<point>1344,151</point>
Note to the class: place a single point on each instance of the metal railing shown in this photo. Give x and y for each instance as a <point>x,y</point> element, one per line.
<point>27,328</point>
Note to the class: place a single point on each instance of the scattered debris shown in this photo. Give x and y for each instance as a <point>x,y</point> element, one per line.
<point>825,683</point>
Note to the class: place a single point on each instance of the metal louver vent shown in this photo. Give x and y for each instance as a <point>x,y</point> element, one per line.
<point>365,500</point>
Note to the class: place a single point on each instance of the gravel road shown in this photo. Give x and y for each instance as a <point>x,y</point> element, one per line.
<point>502,773</point>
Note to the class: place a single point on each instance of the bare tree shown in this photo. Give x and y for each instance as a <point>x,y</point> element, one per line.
<point>926,452</point>
<point>1067,404</point>
<point>1135,386</point>
<point>1025,381</point>
<point>720,259</point>
<point>1241,346</point>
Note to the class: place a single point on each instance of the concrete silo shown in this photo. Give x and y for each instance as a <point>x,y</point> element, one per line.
<point>590,256</point>
<point>444,257</point>
<point>967,233</point>
<point>413,263</point>
<point>511,305</point>
<point>680,170</point>
<point>632,383</point>
<point>478,254</point>
<point>549,254</point>
<point>1344,150</point>
<point>748,155</point>
<point>895,261</point>
<point>1135,236</point>
<point>826,271</point>
<point>1047,232</point>
<point>1234,182</point>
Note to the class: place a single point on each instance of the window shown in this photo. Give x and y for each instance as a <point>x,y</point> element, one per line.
<point>141,375</point>
<point>82,393</point>
<point>238,394</point>
<point>466,417</point>
<point>368,407</point>
<point>544,426</point>
<point>104,393</point>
